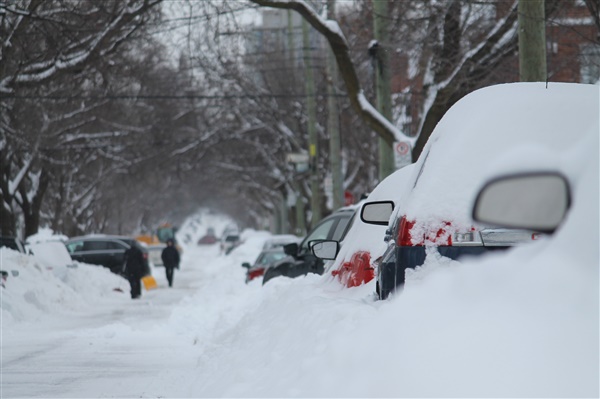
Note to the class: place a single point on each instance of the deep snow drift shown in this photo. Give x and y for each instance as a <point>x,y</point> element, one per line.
<point>522,323</point>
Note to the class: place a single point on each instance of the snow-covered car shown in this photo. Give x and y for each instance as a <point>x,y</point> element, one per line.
<point>267,258</point>
<point>279,240</point>
<point>51,253</point>
<point>363,245</point>
<point>229,242</point>
<point>13,243</point>
<point>512,124</point>
<point>300,260</point>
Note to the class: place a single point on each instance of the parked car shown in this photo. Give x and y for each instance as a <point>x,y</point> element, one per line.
<point>13,243</point>
<point>300,260</point>
<point>279,240</point>
<point>51,253</point>
<point>104,250</point>
<point>229,242</point>
<point>266,259</point>
<point>518,122</point>
<point>208,239</point>
<point>363,245</point>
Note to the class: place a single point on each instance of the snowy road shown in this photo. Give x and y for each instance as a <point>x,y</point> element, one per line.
<point>121,348</point>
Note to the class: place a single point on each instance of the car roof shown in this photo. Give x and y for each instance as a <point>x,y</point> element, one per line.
<point>507,124</point>
<point>101,237</point>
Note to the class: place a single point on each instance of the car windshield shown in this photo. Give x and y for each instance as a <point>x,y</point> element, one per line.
<point>270,257</point>
<point>319,233</point>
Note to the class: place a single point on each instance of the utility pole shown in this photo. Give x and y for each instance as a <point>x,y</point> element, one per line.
<point>380,52</point>
<point>532,41</point>
<point>313,148</point>
<point>300,222</point>
<point>333,123</point>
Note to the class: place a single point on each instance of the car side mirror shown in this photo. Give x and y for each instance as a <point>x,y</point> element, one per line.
<point>530,201</point>
<point>377,212</point>
<point>246,265</point>
<point>326,250</point>
<point>291,249</point>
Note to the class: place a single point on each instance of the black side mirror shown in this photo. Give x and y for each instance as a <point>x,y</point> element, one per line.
<point>291,249</point>
<point>246,265</point>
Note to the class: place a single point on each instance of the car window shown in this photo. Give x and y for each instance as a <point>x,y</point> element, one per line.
<point>95,245</point>
<point>74,246</point>
<point>321,232</point>
<point>341,228</point>
<point>270,257</point>
<point>115,245</point>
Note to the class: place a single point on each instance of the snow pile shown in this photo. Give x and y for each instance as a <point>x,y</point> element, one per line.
<point>39,287</point>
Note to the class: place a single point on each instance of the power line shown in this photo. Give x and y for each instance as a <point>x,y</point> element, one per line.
<point>161,97</point>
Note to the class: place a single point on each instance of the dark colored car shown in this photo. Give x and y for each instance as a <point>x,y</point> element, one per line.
<point>266,259</point>
<point>300,260</point>
<point>12,243</point>
<point>104,250</point>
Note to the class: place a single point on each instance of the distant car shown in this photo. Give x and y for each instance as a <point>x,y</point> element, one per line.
<point>279,240</point>
<point>495,125</point>
<point>266,259</point>
<point>104,250</point>
<point>208,239</point>
<point>300,260</point>
<point>229,242</point>
<point>13,243</point>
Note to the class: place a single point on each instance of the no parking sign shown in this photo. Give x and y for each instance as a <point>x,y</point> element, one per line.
<point>402,154</point>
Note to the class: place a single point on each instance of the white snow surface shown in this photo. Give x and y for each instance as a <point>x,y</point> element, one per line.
<point>522,323</point>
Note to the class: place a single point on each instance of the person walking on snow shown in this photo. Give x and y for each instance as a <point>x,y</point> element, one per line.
<point>134,270</point>
<point>170,258</point>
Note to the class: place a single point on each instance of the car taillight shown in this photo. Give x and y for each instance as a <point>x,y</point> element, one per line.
<point>404,237</point>
<point>255,273</point>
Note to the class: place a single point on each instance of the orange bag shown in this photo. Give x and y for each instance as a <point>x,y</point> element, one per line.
<point>149,282</point>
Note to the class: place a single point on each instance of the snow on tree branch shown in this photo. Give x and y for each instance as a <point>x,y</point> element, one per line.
<point>339,45</point>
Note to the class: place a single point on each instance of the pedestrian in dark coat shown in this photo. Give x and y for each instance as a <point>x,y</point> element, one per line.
<point>134,270</point>
<point>170,258</point>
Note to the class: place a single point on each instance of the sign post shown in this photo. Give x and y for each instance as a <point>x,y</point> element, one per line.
<point>402,154</point>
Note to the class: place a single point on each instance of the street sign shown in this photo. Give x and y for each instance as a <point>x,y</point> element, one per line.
<point>402,154</point>
<point>297,157</point>
<point>348,198</point>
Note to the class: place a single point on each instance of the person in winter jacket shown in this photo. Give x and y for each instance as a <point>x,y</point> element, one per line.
<point>170,258</point>
<point>134,270</point>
